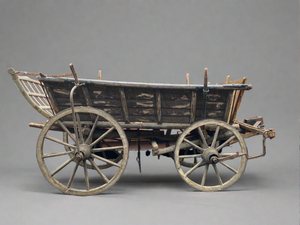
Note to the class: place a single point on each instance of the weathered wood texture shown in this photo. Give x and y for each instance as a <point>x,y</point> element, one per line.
<point>33,92</point>
<point>236,98</point>
<point>148,103</point>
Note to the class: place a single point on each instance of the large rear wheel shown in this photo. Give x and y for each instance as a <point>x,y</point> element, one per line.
<point>59,159</point>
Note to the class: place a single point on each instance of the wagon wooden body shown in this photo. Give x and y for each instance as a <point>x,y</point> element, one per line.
<point>92,125</point>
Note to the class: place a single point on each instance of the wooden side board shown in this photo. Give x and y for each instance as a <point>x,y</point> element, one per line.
<point>148,103</point>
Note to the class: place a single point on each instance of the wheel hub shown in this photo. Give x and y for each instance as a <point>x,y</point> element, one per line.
<point>210,156</point>
<point>84,152</point>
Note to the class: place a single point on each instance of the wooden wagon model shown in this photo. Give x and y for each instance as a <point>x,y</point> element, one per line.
<point>83,147</point>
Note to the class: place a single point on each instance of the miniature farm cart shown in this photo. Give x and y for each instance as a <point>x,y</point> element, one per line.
<point>83,147</point>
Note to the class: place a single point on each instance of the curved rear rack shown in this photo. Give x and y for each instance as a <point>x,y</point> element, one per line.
<point>33,92</point>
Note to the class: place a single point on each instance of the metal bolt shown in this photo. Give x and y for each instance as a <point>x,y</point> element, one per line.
<point>215,159</point>
<point>79,156</point>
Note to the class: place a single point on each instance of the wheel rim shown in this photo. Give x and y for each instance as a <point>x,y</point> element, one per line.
<point>213,170</point>
<point>59,160</point>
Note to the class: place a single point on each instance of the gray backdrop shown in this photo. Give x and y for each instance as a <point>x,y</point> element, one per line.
<point>155,41</point>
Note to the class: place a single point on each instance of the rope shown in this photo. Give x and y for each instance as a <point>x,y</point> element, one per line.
<point>39,74</point>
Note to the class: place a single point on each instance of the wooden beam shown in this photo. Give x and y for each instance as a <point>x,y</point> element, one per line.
<point>158,105</point>
<point>86,95</point>
<point>124,105</point>
<point>88,99</point>
<point>229,103</point>
<point>193,106</point>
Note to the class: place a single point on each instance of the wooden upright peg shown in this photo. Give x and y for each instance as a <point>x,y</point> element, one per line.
<point>227,79</point>
<point>187,76</point>
<point>99,75</point>
<point>205,79</point>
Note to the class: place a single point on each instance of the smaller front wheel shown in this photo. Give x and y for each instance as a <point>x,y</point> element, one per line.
<point>205,146</point>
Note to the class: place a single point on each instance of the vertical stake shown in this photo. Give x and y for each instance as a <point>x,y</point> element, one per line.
<point>205,90</point>
<point>99,75</point>
<point>227,79</point>
<point>187,77</point>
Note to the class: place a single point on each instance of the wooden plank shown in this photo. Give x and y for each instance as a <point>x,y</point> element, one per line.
<point>101,92</point>
<point>172,119</point>
<point>212,105</point>
<point>214,114</point>
<point>193,106</point>
<point>124,105</point>
<point>113,111</point>
<point>140,104</point>
<point>107,103</point>
<point>51,99</point>
<point>144,119</point>
<point>140,94</point>
<point>176,112</point>
<point>175,95</point>
<point>60,92</point>
<point>141,111</point>
<point>66,101</point>
<point>182,104</point>
<point>158,106</point>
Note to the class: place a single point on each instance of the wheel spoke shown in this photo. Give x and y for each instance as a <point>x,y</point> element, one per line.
<point>99,171</point>
<point>106,160</point>
<point>102,136</point>
<point>60,142</point>
<point>86,177</point>
<point>66,130</point>
<point>61,166</point>
<point>204,174</point>
<point>225,143</point>
<point>215,137</point>
<point>201,163</point>
<point>106,148</point>
<point>48,155</point>
<point>189,156</point>
<point>218,174</point>
<point>79,128</point>
<point>73,174</point>
<point>92,130</point>
<point>193,144</point>
<point>229,167</point>
<point>202,137</point>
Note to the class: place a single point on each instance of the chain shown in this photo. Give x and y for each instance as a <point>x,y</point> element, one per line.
<point>39,74</point>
